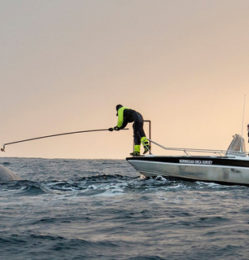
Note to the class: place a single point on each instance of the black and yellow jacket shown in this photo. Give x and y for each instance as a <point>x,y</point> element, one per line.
<point>125,116</point>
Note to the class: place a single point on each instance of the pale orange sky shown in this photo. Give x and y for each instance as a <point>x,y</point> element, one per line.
<point>66,64</point>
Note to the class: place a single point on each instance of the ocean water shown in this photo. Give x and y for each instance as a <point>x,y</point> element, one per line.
<point>102,209</point>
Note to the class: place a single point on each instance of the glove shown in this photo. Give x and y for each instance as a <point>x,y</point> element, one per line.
<point>116,128</point>
<point>110,129</point>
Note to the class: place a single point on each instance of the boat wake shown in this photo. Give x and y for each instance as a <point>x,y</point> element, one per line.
<point>108,185</point>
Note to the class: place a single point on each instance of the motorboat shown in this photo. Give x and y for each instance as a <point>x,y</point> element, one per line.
<point>229,166</point>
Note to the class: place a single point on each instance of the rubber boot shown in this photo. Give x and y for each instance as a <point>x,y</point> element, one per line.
<point>146,144</point>
<point>136,151</point>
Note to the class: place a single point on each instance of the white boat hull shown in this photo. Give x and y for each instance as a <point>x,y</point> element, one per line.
<point>203,169</point>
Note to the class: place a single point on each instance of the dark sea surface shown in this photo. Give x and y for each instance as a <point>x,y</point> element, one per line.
<point>102,209</point>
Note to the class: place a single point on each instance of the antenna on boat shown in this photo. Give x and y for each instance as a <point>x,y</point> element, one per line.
<point>243,115</point>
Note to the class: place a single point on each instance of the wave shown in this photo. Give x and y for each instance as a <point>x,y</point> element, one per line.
<point>34,245</point>
<point>107,185</point>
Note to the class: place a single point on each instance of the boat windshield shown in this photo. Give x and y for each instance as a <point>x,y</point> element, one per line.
<point>237,146</point>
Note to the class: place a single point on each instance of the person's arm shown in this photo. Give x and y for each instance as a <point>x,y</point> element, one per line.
<point>121,120</point>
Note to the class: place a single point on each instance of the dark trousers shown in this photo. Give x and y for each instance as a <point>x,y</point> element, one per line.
<point>138,129</point>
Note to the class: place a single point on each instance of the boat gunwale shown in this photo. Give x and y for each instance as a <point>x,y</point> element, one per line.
<point>215,160</point>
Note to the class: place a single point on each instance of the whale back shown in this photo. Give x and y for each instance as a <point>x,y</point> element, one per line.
<point>7,175</point>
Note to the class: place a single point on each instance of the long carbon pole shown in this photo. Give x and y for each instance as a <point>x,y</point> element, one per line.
<point>54,135</point>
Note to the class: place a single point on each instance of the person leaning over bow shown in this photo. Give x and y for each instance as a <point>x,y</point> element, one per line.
<point>127,115</point>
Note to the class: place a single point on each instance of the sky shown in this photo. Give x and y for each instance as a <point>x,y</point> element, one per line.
<point>65,65</point>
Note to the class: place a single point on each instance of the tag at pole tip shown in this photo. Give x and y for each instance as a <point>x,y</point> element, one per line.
<point>2,149</point>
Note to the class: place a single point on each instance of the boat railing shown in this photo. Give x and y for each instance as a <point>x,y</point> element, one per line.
<point>149,124</point>
<point>236,148</point>
<point>241,154</point>
<point>187,151</point>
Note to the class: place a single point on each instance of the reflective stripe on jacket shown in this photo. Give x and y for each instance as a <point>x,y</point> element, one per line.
<point>121,121</point>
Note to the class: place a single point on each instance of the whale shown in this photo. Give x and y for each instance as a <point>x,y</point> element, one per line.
<point>7,175</point>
